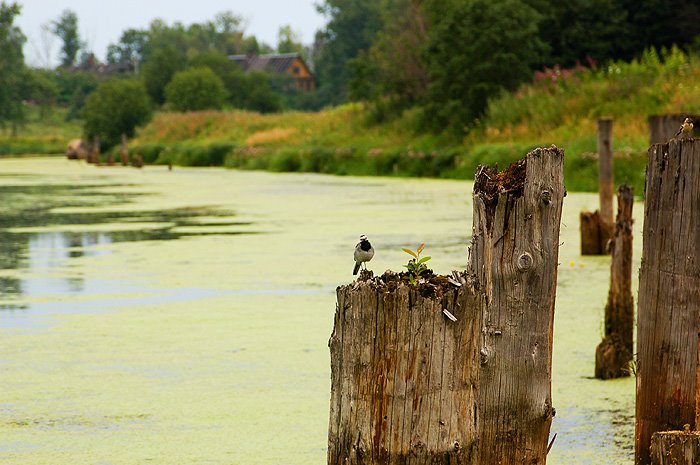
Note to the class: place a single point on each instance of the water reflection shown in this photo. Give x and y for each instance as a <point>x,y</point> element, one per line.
<point>31,245</point>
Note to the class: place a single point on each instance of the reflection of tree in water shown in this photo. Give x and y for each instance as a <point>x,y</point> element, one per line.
<point>34,206</point>
<point>13,256</point>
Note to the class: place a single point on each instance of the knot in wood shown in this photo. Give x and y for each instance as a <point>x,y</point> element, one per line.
<point>546,197</point>
<point>525,261</point>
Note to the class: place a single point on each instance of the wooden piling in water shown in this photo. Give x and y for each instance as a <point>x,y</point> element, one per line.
<point>668,375</point>
<point>605,174</point>
<point>675,448</point>
<point>614,353</point>
<point>597,227</point>
<point>410,384</point>
<point>124,151</point>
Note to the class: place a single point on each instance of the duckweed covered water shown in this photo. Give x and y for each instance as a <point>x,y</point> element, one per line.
<point>150,316</point>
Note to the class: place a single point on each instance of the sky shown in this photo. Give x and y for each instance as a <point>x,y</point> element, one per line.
<point>101,22</point>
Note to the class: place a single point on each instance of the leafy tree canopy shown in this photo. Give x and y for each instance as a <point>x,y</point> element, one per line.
<point>12,69</point>
<point>66,28</point>
<point>195,89</point>
<point>116,107</point>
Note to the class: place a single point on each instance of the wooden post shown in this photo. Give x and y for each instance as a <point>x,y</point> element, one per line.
<point>95,151</point>
<point>591,241</point>
<point>675,448</point>
<point>669,301</point>
<point>597,227</point>
<point>410,384</point>
<point>605,177</point>
<point>614,354</point>
<point>124,151</point>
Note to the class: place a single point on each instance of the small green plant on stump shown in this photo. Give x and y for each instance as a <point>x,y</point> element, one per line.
<point>416,266</point>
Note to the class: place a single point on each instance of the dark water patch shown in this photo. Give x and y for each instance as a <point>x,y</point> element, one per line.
<point>37,206</point>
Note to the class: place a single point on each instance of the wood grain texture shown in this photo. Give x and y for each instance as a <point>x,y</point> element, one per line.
<point>605,172</point>
<point>593,238</point>
<point>614,353</point>
<point>675,448</point>
<point>668,302</point>
<point>410,386</point>
<point>514,258</point>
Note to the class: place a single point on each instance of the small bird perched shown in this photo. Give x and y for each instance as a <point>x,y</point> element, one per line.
<point>686,128</point>
<point>363,253</point>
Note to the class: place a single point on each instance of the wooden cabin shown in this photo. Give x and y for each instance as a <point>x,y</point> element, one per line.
<point>291,64</point>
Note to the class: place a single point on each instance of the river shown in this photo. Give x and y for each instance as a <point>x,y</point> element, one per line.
<point>172,317</point>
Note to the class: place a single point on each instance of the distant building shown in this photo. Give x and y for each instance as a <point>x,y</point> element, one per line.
<point>92,65</point>
<point>290,64</point>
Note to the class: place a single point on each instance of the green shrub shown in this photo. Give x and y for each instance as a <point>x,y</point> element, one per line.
<point>116,107</point>
<point>195,89</point>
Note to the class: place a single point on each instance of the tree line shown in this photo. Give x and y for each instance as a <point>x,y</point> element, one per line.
<point>449,57</point>
<point>168,66</point>
<point>445,58</point>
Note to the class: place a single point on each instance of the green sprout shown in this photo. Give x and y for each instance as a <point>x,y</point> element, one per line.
<point>416,266</point>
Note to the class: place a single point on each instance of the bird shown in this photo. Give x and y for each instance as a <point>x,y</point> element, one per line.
<point>686,128</point>
<point>363,253</point>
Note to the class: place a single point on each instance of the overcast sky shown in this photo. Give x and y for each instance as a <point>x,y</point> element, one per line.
<point>101,22</point>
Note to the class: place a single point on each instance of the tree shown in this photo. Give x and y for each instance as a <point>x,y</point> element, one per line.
<point>116,107</point>
<point>129,48</point>
<point>195,89</point>
<point>394,71</point>
<point>40,88</point>
<point>66,28</point>
<point>288,40</point>
<point>258,95</point>
<point>351,28</point>
<point>12,69</point>
<point>162,64</point>
<point>475,50</point>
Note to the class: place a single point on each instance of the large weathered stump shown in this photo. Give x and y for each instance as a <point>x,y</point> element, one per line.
<point>408,384</point>
<point>614,354</point>
<point>669,301</point>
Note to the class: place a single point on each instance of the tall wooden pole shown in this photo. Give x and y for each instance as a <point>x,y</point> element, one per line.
<point>605,175</point>
<point>614,353</point>
<point>669,301</point>
<point>457,370</point>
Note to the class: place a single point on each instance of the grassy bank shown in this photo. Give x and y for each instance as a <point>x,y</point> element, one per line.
<point>340,141</point>
<point>559,107</point>
<point>45,131</point>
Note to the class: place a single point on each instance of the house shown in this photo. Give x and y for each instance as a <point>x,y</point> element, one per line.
<point>92,65</point>
<point>290,64</point>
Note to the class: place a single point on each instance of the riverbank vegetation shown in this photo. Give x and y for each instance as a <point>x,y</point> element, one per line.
<point>401,87</point>
<point>559,107</point>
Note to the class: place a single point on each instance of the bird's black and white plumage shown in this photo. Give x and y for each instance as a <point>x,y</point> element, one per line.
<point>363,253</point>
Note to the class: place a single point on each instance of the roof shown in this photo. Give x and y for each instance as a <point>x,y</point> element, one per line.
<point>271,63</point>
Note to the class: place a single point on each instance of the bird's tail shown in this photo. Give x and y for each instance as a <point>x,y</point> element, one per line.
<point>357,268</point>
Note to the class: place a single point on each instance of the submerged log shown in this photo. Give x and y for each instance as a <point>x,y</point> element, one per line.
<point>409,383</point>
<point>614,353</point>
<point>675,448</point>
<point>669,302</point>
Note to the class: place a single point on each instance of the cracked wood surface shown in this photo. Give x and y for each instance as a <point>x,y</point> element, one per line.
<point>668,301</point>
<point>410,386</point>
